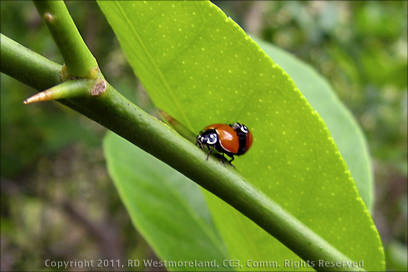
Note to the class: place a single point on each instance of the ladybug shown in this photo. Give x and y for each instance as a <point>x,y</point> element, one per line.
<point>231,140</point>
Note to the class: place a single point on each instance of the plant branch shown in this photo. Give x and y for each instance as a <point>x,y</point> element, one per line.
<point>27,66</point>
<point>116,113</point>
<point>78,59</point>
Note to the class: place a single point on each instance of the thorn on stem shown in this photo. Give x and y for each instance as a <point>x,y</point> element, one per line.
<point>46,95</point>
<point>48,17</point>
<point>70,89</point>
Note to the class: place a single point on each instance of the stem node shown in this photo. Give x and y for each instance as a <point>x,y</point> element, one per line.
<point>99,88</point>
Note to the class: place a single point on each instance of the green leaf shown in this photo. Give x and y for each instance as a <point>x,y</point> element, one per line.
<point>342,126</point>
<point>201,68</point>
<point>166,207</point>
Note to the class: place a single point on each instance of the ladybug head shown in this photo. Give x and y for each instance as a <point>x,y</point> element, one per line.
<point>210,138</point>
<point>240,129</point>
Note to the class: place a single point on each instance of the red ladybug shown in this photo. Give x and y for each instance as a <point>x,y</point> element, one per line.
<point>231,140</point>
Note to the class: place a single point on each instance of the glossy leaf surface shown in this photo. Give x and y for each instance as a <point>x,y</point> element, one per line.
<point>201,68</point>
<point>342,126</point>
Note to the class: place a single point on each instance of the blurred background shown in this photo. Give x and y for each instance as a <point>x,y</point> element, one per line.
<point>57,201</point>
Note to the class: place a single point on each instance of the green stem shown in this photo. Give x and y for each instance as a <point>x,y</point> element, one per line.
<point>78,59</point>
<point>27,66</point>
<point>116,113</point>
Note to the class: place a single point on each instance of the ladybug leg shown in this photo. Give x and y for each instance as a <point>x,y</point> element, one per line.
<point>199,144</point>
<point>224,159</point>
<point>209,153</point>
<point>231,161</point>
